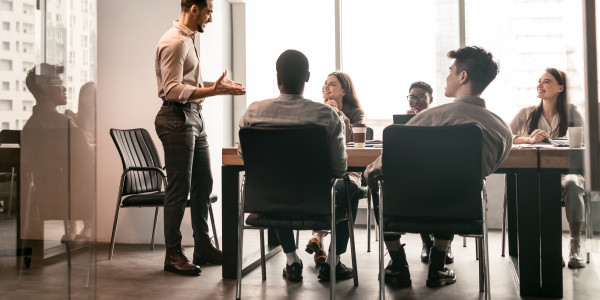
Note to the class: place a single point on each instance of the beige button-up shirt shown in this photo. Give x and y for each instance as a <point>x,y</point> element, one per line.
<point>497,137</point>
<point>177,64</point>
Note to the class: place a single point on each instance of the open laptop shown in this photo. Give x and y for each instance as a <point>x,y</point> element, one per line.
<point>402,119</point>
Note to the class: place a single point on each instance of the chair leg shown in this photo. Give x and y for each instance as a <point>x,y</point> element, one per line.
<point>12,187</point>
<point>486,264</point>
<point>333,252</point>
<point>589,230</point>
<point>477,251</point>
<point>114,231</point>
<point>214,227</point>
<point>381,257</point>
<point>240,241</point>
<point>154,229</point>
<point>263,264</point>
<point>297,238</point>
<point>352,246</point>
<point>464,241</point>
<point>504,222</point>
<point>369,220</point>
<point>481,266</point>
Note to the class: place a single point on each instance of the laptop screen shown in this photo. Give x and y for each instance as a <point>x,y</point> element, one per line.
<point>402,119</point>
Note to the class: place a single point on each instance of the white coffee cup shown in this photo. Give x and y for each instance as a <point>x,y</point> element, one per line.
<point>359,134</point>
<point>575,137</point>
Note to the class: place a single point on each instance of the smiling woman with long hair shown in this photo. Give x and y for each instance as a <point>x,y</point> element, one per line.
<point>550,119</point>
<point>338,92</point>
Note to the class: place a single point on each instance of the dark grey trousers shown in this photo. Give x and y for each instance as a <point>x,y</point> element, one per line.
<point>187,162</point>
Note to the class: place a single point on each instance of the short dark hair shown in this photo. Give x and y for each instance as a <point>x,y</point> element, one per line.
<point>479,65</point>
<point>292,70</point>
<point>187,4</point>
<point>421,85</point>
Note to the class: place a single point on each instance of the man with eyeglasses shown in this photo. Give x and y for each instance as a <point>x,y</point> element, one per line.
<point>420,97</point>
<point>472,71</point>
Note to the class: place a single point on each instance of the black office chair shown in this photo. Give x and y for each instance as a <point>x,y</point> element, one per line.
<point>289,184</point>
<point>441,194</point>
<point>143,178</point>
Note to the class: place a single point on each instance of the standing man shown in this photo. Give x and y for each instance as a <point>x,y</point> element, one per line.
<point>472,71</point>
<point>180,127</point>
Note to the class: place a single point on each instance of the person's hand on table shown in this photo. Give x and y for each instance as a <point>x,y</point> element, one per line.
<point>538,136</point>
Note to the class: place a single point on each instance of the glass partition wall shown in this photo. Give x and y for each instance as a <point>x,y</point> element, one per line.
<point>48,99</point>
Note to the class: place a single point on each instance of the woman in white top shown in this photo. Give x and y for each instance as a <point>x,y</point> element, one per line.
<point>550,119</point>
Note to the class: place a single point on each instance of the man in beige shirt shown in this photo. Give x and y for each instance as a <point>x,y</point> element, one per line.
<point>472,71</point>
<point>180,127</point>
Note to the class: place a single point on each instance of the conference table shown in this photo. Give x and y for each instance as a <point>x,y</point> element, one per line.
<point>533,195</point>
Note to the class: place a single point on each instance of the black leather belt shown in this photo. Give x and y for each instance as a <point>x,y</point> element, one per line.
<point>187,104</point>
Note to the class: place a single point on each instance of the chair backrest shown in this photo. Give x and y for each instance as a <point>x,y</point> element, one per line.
<point>288,170</point>
<point>369,133</point>
<point>10,136</point>
<point>402,119</point>
<point>432,172</point>
<point>137,149</point>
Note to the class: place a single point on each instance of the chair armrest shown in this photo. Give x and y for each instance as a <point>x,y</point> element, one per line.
<point>155,169</point>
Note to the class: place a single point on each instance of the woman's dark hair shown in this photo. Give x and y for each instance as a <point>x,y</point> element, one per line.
<point>561,106</point>
<point>349,98</point>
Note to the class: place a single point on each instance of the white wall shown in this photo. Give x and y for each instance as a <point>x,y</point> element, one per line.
<point>128,32</point>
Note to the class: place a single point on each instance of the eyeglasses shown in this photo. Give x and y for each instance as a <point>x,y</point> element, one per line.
<point>421,97</point>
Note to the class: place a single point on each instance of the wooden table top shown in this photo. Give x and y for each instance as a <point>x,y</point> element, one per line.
<point>518,157</point>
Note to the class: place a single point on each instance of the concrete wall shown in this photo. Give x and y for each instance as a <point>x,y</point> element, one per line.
<point>128,32</point>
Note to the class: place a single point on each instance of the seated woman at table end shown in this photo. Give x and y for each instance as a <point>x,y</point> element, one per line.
<point>551,119</point>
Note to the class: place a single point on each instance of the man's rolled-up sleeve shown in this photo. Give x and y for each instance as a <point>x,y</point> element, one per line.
<point>172,55</point>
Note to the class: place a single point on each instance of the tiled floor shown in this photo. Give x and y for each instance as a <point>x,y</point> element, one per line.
<point>136,273</point>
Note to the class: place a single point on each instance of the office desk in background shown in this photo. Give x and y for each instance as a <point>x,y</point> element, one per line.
<point>533,199</point>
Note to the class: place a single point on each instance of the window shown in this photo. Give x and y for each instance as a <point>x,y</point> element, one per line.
<point>27,9</point>
<point>5,125</point>
<point>262,29</point>
<point>27,105</point>
<point>404,42</point>
<point>6,26</point>
<point>6,46</point>
<point>29,28</point>
<point>6,65</point>
<point>5,86</point>
<point>6,105</point>
<point>526,37</point>
<point>6,5</point>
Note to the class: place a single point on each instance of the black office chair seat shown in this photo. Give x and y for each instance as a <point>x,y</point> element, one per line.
<point>310,223</point>
<point>152,199</point>
<point>450,227</point>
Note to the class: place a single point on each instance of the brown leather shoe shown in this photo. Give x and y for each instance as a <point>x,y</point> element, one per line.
<point>176,262</point>
<point>206,253</point>
<point>315,247</point>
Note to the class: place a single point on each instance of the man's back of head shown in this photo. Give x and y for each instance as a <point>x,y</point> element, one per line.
<point>479,65</point>
<point>292,72</point>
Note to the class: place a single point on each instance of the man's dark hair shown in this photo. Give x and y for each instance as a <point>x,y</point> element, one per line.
<point>421,85</point>
<point>292,71</point>
<point>479,65</point>
<point>187,4</point>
